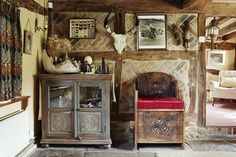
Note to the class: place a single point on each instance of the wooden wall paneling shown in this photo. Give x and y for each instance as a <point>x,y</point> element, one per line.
<point>201,74</point>
<point>178,20</point>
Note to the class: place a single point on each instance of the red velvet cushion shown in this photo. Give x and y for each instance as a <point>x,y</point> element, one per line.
<point>160,103</point>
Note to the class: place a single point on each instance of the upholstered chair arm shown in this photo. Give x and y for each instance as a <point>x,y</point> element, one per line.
<point>214,84</point>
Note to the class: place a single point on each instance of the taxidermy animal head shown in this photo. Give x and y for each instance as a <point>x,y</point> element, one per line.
<point>119,39</point>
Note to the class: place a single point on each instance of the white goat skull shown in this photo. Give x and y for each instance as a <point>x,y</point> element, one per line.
<point>119,39</point>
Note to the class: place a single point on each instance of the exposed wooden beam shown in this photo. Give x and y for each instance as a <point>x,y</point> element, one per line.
<point>220,21</point>
<point>126,6</point>
<point>221,46</point>
<point>31,5</point>
<point>229,36</point>
<point>227,29</point>
<point>223,1</point>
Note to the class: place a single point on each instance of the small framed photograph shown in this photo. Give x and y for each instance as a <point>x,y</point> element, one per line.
<point>216,57</point>
<point>152,31</point>
<point>82,28</point>
<point>28,40</point>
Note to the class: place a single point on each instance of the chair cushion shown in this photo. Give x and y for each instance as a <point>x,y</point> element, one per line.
<point>160,103</point>
<point>228,82</point>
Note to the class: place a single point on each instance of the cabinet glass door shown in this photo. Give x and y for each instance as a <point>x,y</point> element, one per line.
<point>91,104</point>
<point>61,110</point>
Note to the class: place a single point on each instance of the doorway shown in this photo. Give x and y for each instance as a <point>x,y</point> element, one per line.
<point>220,56</point>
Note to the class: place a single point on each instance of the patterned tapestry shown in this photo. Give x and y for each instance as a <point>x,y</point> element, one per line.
<point>132,68</point>
<point>11,55</point>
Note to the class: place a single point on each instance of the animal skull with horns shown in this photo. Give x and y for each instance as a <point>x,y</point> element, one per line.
<point>119,39</point>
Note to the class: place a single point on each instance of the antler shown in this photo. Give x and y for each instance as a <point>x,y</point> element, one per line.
<point>105,24</point>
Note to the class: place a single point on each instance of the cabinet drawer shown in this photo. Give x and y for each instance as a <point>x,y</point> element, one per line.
<point>160,127</point>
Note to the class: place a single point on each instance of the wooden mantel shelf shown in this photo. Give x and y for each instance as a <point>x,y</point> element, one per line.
<point>23,99</point>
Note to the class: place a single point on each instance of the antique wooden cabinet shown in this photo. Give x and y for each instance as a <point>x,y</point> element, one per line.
<point>75,109</point>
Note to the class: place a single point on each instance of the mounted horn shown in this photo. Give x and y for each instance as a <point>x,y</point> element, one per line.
<point>119,39</point>
<point>105,24</point>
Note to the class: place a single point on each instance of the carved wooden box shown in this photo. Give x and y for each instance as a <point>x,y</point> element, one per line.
<point>160,127</point>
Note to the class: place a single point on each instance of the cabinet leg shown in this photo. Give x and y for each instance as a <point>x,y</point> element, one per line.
<point>105,146</point>
<point>44,145</point>
<point>183,146</point>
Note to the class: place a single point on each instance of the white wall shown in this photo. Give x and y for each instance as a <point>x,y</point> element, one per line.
<point>14,134</point>
<point>31,63</point>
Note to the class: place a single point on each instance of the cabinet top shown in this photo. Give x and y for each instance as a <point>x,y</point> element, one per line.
<point>75,76</point>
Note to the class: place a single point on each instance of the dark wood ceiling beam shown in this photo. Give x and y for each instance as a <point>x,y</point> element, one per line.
<point>31,5</point>
<point>127,6</point>
<point>227,29</point>
<point>220,21</point>
<point>221,46</point>
<point>229,36</point>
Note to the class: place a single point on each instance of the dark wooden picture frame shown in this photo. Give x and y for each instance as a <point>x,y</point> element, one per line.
<point>82,28</point>
<point>152,31</point>
<point>28,41</point>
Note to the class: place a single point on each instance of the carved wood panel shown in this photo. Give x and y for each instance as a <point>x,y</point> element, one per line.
<point>90,122</point>
<point>60,122</point>
<point>160,126</point>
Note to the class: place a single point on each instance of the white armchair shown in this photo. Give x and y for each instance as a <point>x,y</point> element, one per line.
<point>226,87</point>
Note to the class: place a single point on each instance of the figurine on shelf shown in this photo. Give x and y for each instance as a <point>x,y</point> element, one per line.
<point>88,67</point>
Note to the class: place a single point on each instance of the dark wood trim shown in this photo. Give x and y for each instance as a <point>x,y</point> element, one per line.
<point>136,54</point>
<point>31,5</point>
<point>23,99</point>
<point>229,36</point>
<point>227,29</point>
<point>201,74</point>
<point>221,46</point>
<point>122,117</point>
<point>128,6</point>
<point>119,26</point>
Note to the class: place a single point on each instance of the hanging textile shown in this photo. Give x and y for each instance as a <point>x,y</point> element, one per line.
<point>11,54</point>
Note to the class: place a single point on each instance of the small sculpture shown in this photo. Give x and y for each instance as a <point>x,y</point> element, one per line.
<point>88,67</point>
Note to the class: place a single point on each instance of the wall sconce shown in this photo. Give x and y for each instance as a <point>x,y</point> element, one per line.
<point>213,31</point>
<point>36,28</point>
<point>187,35</point>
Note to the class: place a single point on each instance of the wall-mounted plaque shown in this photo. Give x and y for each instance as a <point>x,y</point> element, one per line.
<point>82,28</point>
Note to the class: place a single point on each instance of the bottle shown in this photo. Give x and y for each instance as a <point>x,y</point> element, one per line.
<point>103,70</point>
<point>60,103</point>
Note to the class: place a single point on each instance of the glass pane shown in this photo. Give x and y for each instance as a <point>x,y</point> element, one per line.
<point>60,96</point>
<point>91,97</point>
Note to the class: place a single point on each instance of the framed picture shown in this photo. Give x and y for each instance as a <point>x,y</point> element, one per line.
<point>82,28</point>
<point>152,31</point>
<point>28,40</point>
<point>216,57</point>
